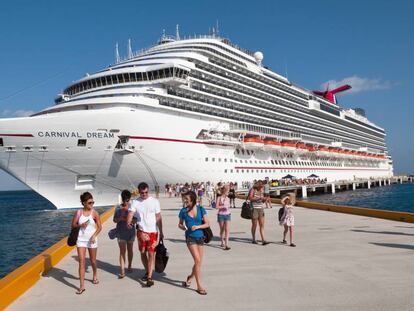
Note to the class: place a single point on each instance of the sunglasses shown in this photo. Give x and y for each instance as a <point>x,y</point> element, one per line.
<point>90,202</point>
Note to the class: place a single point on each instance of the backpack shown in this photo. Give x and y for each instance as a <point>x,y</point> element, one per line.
<point>281,212</point>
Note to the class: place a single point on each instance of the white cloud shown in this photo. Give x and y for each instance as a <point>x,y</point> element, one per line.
<point>359,84</point>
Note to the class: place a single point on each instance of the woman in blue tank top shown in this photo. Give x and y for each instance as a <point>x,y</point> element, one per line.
<point>193,219</point>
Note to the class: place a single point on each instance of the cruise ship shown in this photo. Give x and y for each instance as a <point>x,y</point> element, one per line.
<point>186,109</point>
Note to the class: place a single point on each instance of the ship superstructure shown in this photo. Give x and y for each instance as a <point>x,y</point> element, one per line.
<point>194,109</point>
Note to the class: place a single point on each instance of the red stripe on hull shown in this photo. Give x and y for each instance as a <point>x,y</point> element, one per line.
<point>17,135</point>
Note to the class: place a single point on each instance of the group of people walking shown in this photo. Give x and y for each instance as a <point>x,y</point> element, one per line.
<point>141,218</point>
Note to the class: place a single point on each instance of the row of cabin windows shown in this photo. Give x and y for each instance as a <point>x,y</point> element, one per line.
<point>233,114</point>
<point>126,78</point>
<point>287,116</point>
<point>277,108</point>
<point>272,171</point>
<point>283,162</point>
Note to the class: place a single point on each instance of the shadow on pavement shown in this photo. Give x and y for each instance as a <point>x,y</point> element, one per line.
<point>393,245</point>
<point>384,232</point>
<point>62,276</point>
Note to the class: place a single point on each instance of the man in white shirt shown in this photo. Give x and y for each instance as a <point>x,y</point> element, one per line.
<point>148,213</point>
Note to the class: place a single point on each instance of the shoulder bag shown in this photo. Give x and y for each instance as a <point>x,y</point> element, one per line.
<point>208,234</point>
<point>74,232</point>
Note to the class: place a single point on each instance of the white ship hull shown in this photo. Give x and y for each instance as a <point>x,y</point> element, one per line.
<point>162,149</point>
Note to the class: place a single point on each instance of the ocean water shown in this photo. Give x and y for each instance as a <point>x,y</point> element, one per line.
<point>395,197</point>
<point>29,224</point>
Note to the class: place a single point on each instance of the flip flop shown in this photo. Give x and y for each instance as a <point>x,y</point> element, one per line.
<point>80,291</point>
<point>187,283</point>
<point>96,281</point>
<point>227,248</point>
<point>201,291</point>
<point>121,276</point>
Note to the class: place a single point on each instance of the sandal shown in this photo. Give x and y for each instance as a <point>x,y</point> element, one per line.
<point>265,243</point>
<point>187,283</point>
<point>227,248</point>
<point>80,291</point>
<point>293,245</point>
<point>254,242</point>
<point>121,275</point>
<point>284,242</point>
<point>95,281</point>
<point>150,282</point>
<point>201,291</point>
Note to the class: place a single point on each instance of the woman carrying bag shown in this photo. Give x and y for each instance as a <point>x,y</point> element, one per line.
<point>193,219</point>
<point>90,226</point>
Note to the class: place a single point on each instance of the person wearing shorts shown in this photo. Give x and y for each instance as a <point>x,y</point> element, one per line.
<point>193,219</point>
<point>148,213</point>
<point>126,236</point>
<point>224,216</point>
<point>256,197</point>
<point>89,224</point>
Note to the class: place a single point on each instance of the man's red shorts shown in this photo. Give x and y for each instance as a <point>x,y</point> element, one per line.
<point>147,241</point>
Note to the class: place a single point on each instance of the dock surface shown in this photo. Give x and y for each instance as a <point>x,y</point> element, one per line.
<point>341,262</point>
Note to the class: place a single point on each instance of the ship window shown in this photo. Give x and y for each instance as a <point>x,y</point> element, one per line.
<point>231,171</point>
<point>206,159</point>
<point>213,159</point>
<point>126,77</point>
<point>132,76</point>
<point>247,171</point>
<point>225,160</point>
<point>231,160</point>
<point>1,142</point>
<point>81,142</point>
<point>225,171</point>
<point>43,149</point>
<point>237,171</point>
<point>27,148</point>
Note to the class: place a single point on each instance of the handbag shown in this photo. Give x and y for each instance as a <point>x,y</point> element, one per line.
<point>161,257</point>
<point>208,234</point>
<point>74,232</point>
<point>113,233</point>
<point>247,210</point>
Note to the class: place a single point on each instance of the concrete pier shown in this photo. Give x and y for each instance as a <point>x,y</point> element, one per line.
<point>341,262</point>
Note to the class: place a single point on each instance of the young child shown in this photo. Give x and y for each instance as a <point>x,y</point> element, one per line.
<point>287,220</point>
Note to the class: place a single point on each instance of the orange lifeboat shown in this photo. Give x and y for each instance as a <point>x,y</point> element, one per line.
<point>288,146</point>
<point>324,151</point>
<point>301,148</point>
<point>272,144</point>
<point>311,148</point>
<point>253,142</point>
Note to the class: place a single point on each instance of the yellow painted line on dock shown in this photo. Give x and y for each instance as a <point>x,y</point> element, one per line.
<point>20,280</point>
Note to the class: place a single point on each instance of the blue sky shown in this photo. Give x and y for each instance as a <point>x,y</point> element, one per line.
<point>45,45</point>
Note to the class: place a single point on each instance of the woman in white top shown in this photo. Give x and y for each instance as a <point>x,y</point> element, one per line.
<point>87,219</point>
